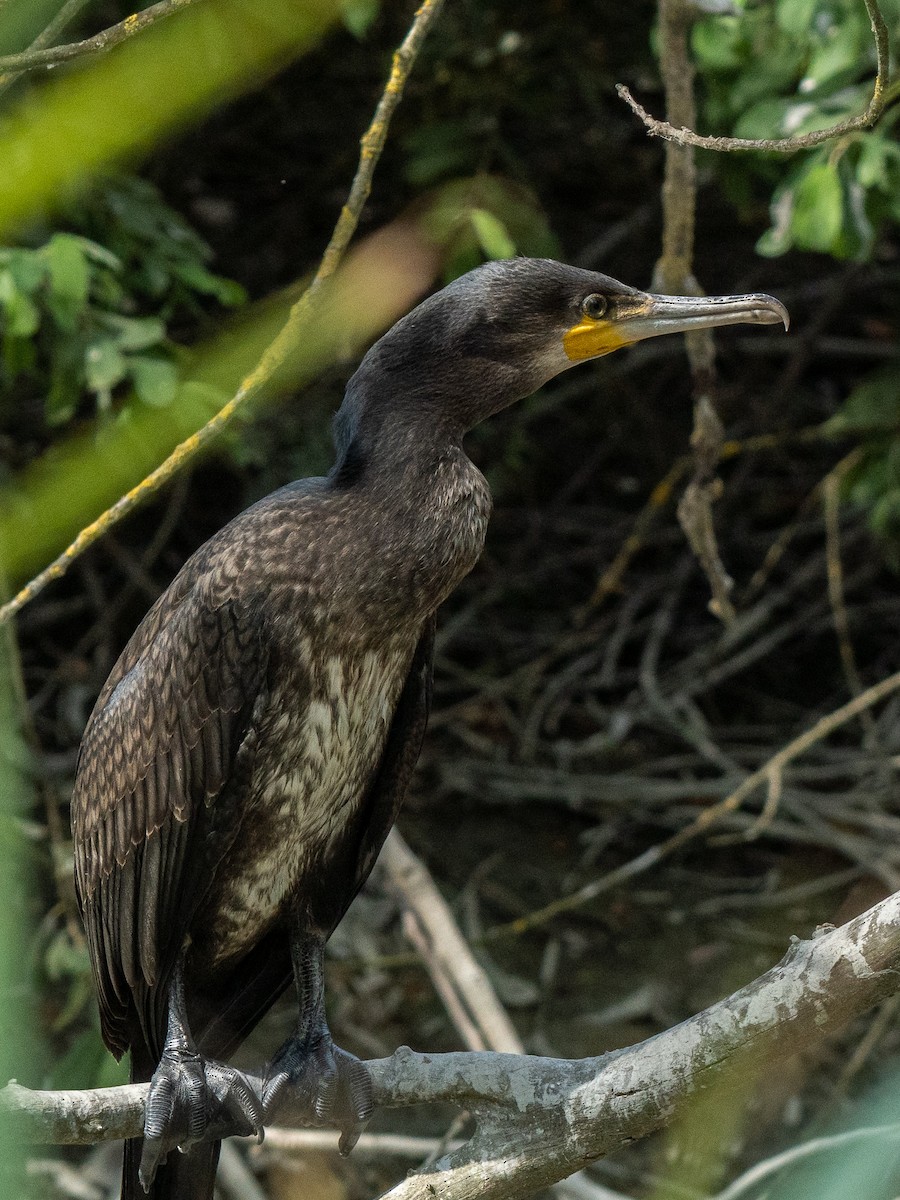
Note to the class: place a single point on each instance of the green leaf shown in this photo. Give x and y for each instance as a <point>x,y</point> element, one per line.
<point>134,333</point>
<point>818,208</point>
<point>28,269</point>
<point>872,406</point>
<point>226,291</point>
<point>359,15</point>
<point>838,54</point>
<point>155,380</point>
<point>62,399</point>
<point>492,234</point>
<point>70,276</point>
<point>716,43</point>
<point>795,16</point>
<point>100,254</point>
<point>104,365</point>
<point>876,156</point>
<point>21,317</point>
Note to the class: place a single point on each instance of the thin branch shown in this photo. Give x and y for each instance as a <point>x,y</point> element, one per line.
<point>819,1145</point>
<point>46,37</point>
<point>29,60</point>
<point>287,339</point>
<point>685,136</point>
<point>675,274</point>
<point>462,984</point>
<point>768,772</point>
<point>540,1119</point>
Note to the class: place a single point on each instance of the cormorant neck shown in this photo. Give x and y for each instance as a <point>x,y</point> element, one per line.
<point>397,410</point>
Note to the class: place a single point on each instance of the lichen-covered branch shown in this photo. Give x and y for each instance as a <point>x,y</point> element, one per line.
<point>540,1119</point>
<point>46,56</point>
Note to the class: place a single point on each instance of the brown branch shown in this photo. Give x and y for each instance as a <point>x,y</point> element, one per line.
<point>290,336</point>
<point>674,274</point>
<point>540,1119</point>
<point>464,987</point>
<point>767,774</point>
<point>683,135</point>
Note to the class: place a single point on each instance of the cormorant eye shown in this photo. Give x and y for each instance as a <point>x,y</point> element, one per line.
<point>595,306</point>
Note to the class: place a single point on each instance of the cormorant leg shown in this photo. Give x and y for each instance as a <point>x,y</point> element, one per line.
<point>188,1093</point>
<point>327,1085</point>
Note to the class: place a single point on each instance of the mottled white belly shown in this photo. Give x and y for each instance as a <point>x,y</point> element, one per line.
<point>328,746</point>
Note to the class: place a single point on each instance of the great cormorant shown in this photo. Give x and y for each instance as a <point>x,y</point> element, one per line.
<point>250,750</point>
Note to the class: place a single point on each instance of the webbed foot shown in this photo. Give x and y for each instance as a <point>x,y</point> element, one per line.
<point>188,1095</point>
<point>323,1084</point>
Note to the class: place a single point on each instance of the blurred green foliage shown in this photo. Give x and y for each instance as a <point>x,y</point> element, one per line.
<point>19,1043</point>
<point>871,414</point>
<point>112,106</point>
<point>86,316</point>
<point>788,68</point>
<point>485,217</point>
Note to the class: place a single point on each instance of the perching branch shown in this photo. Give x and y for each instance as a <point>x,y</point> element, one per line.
<point>685,136</point>
<point>540,1119</point>
<point>291,334</point>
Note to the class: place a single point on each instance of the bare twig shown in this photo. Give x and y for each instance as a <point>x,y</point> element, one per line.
<point>683,135</point>
<point>45,56</point>
<point>539,1119</point>
<point>287,339</point>
<point>46,37</point>
<point>465,989</point>
<point>376,1145</point>
<point>769,773</point>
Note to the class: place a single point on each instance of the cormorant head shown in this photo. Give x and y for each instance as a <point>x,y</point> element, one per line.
<point>499,332</point>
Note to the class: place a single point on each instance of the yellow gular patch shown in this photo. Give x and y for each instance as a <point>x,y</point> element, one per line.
<point>590,339</point>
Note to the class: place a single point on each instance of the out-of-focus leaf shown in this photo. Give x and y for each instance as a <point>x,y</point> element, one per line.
<point>104,365</point>
<point>79,1066</point>
<point>438,150</point>
<point>839,52</point>
<point>155,380</point>
<point>873,405</point>
<point>226,291</point>
<point>359,15</point>
<point>492,234</point>
<point>818,208</point>
<point>120,103</point>
<point>135,333</point>
<point>20,316</point>
<point>511,220</point>
<point>795,16</point>
<point>716,43</point>
<point>877,155</point>
<point>27,268</point>
<point>68,267</point>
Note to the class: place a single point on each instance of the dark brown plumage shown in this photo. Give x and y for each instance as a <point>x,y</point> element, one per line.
<point>250,750</point>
